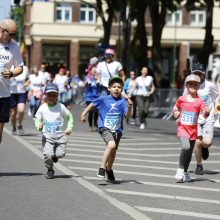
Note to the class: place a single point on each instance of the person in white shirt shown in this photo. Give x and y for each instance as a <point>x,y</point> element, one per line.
<point>208,92</point>
<point>145,88</point>
<point>9,56</point>
<point>18,100</point>
<point>44,73</point>
<point>36,83</point>
<point>109,68</point>
<point>61,80</point>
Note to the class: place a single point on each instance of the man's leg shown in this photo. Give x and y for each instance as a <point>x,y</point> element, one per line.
<point>1,131</point>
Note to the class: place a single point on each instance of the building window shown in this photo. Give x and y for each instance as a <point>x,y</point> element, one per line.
<point>197,18</point>
<point>174,18</point>
<point>64,12</point>
<point>87,14</point>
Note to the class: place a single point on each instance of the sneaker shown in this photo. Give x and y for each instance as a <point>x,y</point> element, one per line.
<point>205,153</point>
<point>179,175</point>
<point>54,158</point>
<point>142,126</point>
<point>14,131</point>
<point>132,122</point>
<point>50,174</point>
<point>110,175</point>
<point>199,170</point>
<point>101,173</point>
<point>186,177</point>
<point>29,112</point>
<point>20,129</point>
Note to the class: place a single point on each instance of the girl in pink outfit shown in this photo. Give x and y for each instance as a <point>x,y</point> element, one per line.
<point>187,108</point>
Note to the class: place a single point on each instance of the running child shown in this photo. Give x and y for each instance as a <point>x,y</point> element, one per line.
<point>112,108</point>
<point>188,108</point>
<point>50,119</point>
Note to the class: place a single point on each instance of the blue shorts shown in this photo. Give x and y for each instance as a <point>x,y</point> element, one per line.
<point>18,98</point>
<point>4,109</point>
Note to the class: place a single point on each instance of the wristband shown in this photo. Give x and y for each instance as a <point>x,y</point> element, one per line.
<point>11,74</point>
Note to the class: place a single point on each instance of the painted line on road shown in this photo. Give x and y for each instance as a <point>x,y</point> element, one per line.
<point>118,164</point>
<point>164,196</point>
<point>129,210</point>
<point>178,212</point>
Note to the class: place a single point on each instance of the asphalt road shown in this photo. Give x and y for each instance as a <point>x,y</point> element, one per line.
<point>144,168</point>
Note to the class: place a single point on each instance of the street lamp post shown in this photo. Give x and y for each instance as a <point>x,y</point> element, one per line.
<point>174,53</point>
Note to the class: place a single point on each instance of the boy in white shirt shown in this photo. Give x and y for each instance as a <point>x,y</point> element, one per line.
<point>50,119</point>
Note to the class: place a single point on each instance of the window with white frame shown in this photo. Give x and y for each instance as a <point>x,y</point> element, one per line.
<point>174,18</point>
<point>64,12</point>
<point>87,14</point>
<point>197,18</point>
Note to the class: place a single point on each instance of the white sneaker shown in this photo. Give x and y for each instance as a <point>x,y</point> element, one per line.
<point>142,126</point>
<point>179,175</point>
<point>29,112</point>
<point>186,177</point>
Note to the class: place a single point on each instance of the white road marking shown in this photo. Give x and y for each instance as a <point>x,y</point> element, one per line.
<point>163,196</point>
<point>129,210</point>
<point>178,212</point>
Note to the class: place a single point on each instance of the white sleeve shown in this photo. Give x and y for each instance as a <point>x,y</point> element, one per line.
<point>17,58</point>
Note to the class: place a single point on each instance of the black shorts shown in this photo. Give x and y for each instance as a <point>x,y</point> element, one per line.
<point>108,135</point>
<point>4,109</point>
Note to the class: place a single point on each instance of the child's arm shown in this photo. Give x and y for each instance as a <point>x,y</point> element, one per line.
<point>206,112</point>
<point>85,111</point>
<point>176,112</point>
<point>128,113</point>
<point>38,124</point>
<point>69,124</point>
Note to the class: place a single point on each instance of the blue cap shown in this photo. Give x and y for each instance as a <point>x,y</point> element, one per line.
<point>51,88</point>
<point>198,67</point>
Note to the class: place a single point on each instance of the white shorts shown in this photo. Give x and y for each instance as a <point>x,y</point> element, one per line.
<point>206,130</point>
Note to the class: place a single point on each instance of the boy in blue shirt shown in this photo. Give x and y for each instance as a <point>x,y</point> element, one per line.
<point>112,108</point>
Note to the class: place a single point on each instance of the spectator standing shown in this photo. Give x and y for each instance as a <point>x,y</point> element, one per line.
<point>9,56</point>
<point>145,89</point>
<point>109,68</point>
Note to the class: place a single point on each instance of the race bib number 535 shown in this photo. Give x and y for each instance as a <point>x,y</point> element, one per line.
<point>188,118</point>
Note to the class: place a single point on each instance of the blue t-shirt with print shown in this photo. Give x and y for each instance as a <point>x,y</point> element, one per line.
<point>111,112</point>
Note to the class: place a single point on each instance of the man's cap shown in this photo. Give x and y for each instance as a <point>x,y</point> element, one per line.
<point>51,87</point>
<point>93,60</point>
<point>198,67</point>
<point>193,78</point>
<point>109,51</point>
<point>115,79</point>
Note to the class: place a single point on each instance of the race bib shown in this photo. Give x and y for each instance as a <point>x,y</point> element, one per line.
<point>112,121</point>
<point>188,118</point>
<point>52,127</point>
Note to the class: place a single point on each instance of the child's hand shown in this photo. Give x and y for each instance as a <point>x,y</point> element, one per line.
<point>206,112</point>
<point>176,114</point>
<point>41,127</point>
<point>67,132</point>
<point>83,118</point>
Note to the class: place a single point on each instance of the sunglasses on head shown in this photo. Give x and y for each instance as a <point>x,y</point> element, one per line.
<point>9,33</point>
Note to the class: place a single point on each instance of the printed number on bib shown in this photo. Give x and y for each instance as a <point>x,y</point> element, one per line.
<point>51,127</point>
<point>188,118</point>
<point>112,121</point>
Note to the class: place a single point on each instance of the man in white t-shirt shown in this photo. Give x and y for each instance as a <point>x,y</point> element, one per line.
<point>109,68</point>
<point>9,56</point>
<point>208,92</point>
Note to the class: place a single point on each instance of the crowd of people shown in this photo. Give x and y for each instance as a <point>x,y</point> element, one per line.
<point>108,97</point>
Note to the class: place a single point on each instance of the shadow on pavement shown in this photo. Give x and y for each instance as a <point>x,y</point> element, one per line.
<point>20,174</point>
